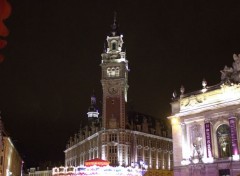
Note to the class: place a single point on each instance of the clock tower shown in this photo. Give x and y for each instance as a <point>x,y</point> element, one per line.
<point>114,81</point>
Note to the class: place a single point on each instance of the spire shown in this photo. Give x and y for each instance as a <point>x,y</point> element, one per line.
<point>93,110</point>
<point>93,99</point>
<point>115,17</point>
<point>115,26</point>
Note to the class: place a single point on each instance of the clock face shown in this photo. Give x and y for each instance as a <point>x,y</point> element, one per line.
<point>113,90</point>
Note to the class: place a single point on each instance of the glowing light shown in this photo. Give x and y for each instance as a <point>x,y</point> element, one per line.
<point>235,157</point>
<point>186,151</point>
<point>207,160</point>
<point>204,90</point>
<point>185,162</point>
<point>195,161</point>
<point>100,171</point>
<point>9,173</point>
<point>174,120</point>
<point>120,60</point>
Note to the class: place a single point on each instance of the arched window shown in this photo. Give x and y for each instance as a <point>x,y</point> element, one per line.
<point>108,72</point>
<point>224,141</point>
<point>117,71</point>
<point>113,72</point>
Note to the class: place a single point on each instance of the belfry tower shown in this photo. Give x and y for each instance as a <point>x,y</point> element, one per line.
<point>114,81</point>
<point>132,139</point>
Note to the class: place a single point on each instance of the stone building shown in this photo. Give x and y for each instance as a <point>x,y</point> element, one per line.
<point>121,137</point>
<point>38,172</point>
<point>205,127</point>
<point>10,160</point>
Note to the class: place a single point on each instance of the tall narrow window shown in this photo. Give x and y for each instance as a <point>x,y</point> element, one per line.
<point>112,149</point>
<point>108,72</point>
<point>224,142</point>
<point>113,72</point>
<point>114,46</point>
<point>113,137</point>
<point>117,71</point>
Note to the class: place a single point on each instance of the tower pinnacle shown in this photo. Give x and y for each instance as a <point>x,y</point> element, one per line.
<point>92,110</point>
<point>115,26</point>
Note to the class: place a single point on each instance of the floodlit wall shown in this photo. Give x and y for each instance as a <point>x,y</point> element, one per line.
<point>10,162</point>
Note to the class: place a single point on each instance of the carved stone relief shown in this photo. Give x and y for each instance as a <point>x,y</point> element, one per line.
<point>193,100</point>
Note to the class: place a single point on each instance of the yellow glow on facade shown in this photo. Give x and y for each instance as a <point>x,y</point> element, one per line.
<point>174,120</point>
<point>11,160</point>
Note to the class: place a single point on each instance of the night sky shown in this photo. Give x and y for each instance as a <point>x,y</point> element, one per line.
<point>54,52</point>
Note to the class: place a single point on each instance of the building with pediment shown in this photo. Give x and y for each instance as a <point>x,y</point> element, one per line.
<point>205,127</point>
<point>123,138</point>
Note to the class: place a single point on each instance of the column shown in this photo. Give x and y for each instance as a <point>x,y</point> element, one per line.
<point>150,155</point>
<point>135,148</point>
<point>177,142</point>
<point>156,152</point>
<point>185,147</point>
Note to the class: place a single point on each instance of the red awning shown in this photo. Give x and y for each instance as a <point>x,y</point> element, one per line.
<point>97,162</point>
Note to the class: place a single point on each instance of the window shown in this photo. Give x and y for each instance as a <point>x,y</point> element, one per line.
<point>114,46</point>
<point>127,137</point>
<point>113,160</point>
<point>139,141</point>
<point>223,139</point>
<point>113,137</point>
<point>152,143</point>
<point>128,150</point>
<point>146,142</point>
<point>113,71</point>
<point>117,71</point>
<point>112,149</point>
<point>108,72</point>
<point>139,153</point>
<point>146,153</point>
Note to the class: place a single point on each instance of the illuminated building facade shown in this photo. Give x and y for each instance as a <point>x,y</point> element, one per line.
<point>36,172</point>
<point>124,139</point>
<point>97,171</point>
<point>205,127</point>
<point>10,160</point>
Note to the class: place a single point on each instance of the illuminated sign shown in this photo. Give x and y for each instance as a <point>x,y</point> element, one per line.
<point>98,171</point>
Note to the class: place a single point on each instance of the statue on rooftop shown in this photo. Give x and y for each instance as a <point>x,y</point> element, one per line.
<point>232,74</point>
<point>226,73</point>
